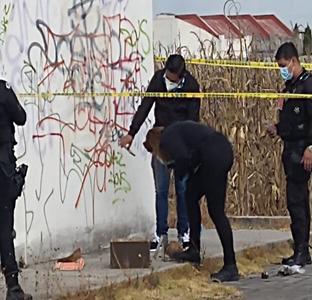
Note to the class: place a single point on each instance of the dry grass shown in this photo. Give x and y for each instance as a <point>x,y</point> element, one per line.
<point>188,282</point>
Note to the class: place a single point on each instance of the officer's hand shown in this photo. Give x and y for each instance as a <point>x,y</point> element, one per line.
<point>126,141</point>
<point>307,160</point>
<point>271,131</point>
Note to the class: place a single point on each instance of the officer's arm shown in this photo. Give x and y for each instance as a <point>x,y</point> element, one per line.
<point>308,105</point>
<point>277,125</point>
<point>14,109</point>
<point>143,109</point>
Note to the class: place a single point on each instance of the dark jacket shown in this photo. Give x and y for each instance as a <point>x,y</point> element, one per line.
<point>181,141</point>
<point>167,110</point>
<point>295,118</point>
<point>10,112</point>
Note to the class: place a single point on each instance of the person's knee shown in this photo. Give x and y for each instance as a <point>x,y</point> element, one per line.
<point>216,213</point>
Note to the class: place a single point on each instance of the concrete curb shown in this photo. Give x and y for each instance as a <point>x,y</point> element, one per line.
<point>260,222</point>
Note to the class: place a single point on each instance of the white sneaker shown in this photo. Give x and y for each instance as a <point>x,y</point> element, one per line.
<point>184,240</point>
<point>154,242</point>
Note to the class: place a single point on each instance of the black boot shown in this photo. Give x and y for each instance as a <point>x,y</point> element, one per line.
<point>290,260</point>
<point>16,293</point>
<point>189,255</point>
<point>301,256</point>
<point>227,273</point>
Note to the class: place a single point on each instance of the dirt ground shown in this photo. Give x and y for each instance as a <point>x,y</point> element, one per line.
<point>187,282</point>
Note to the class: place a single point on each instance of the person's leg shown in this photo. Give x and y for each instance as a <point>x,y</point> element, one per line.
<point>297,198</point>
<point>9,265</point>
<point>218,160</point>
<point>216,194</point>
<point>297,195</point>
<point>161,180</point>
<point>8,262</point>
<point>182,216</point>
<point>194,192</point>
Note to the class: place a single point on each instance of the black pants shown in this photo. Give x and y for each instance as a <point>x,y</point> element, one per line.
<point>210,179</point>
<point>7,251</point>
<point>7,206</point>
<point>297,192</point>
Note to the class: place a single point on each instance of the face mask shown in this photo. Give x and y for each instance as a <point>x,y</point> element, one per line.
<point>170,85</point>
<point>285,73</point>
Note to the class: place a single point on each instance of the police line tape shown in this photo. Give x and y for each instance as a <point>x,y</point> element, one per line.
<point>233,63</point>
<point>268,96</point>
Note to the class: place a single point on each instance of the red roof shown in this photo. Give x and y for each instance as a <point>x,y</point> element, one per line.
<point>197,21</point>
<point>274,26</point>
<point>223,26</point>
<point>249,25</point>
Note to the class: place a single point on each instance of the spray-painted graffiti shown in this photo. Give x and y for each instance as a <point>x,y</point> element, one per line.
<point>92,46</point>
<point>4,22</point>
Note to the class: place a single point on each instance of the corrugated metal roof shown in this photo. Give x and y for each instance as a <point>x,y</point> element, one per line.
<point>223,26</point>
<point>249,25</point>
<point>274,26</point>
<point>197,21</point>
<point>264,26</point>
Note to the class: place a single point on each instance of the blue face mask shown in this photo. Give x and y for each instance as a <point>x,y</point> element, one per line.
<point>285,73</point>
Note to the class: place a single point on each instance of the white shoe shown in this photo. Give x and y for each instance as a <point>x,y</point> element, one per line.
<point>184,240</point>
<point>154,242</point>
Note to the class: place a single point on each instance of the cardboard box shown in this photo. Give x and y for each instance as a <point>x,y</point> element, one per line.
<point>126,254</point>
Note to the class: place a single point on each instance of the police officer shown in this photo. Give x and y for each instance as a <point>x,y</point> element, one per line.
<point>295,129</point>
<point>11,112</point>
<point>204,157</point>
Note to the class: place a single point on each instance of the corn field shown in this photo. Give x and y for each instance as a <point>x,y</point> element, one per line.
<point>256,181</point>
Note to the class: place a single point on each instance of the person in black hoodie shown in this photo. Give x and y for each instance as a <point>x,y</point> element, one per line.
<point>295,129</point>
<point>11,183</point>
<point>203,156</point>
<point>173,78</point>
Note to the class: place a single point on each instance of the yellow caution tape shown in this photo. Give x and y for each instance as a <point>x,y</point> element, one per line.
<point>173,95</point>
<point>233,63</point>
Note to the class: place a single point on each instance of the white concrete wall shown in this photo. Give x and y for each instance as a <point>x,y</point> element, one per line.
<point>81,189</point>
<point>171,34</point>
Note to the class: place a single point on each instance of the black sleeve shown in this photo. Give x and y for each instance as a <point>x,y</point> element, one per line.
<point>308,106</point>
<point>15,111</point>
<point>177,150</point>
<point>144,108</point>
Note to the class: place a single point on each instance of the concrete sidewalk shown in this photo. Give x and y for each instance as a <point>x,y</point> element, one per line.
<point>44,283</point>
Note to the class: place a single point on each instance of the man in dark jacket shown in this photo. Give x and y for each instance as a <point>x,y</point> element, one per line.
<point>205,157</point>
<point>295,129</point>
<point>11,182</point>
<point>173,78</point>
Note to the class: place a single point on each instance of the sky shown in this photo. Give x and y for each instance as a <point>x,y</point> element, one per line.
<point>288,11</point>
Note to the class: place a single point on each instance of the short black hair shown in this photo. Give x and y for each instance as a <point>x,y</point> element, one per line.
<point>287,51</point>
<point>175,64</point>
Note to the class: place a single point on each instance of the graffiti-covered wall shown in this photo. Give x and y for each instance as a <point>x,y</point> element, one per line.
<point>81,189</point>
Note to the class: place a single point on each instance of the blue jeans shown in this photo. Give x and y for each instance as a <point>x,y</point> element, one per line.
<point>162,180</point>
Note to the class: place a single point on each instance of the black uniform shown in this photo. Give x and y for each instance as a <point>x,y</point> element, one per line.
<point>10,112</point>
<point>295,129</point>
<point>206,156</point>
